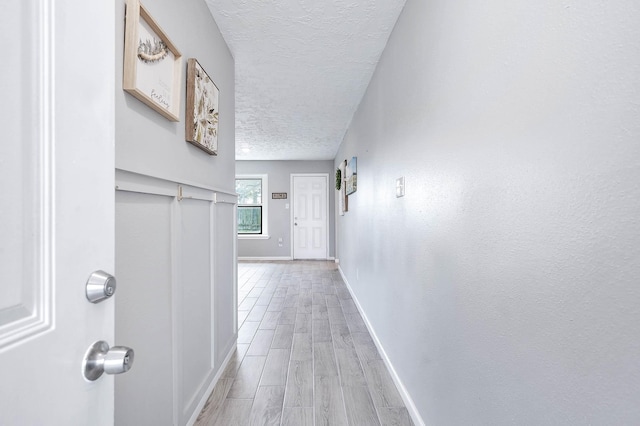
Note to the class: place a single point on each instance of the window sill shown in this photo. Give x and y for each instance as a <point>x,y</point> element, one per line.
<point>253,237</point>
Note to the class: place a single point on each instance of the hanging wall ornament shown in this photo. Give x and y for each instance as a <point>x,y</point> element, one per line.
<point>150,51</point>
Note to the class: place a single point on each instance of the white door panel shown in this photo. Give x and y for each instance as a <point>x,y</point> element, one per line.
<point>57,210</point>
<point>310,216</point>
<point>317,206</point>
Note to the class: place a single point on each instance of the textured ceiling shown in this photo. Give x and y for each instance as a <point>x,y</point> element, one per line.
<point>302,67</point>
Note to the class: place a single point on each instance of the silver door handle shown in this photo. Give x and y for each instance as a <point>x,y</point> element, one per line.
<point>100,359</point>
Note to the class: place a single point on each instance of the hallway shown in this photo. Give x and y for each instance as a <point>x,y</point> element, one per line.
<point>304,354</point>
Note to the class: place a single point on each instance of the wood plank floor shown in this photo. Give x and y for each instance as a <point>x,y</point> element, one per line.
<point>304,355</point>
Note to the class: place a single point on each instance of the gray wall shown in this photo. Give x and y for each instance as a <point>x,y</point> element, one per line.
<point>175,259</point>
<point>504,285</point>
<point>147,143</point>
<point>279,217</point>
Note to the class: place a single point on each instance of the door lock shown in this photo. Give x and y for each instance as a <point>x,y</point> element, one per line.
<point>100,286</point>
<point>100,359</point>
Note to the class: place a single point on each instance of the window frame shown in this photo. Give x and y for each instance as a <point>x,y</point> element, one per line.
<point>264,204</point>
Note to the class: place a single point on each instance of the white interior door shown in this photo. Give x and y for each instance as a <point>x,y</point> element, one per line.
<point>310,216</point>
<point>56,209</point>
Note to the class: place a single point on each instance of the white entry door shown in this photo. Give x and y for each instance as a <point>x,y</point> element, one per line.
<point>57,207</point>
<point>310,216</point>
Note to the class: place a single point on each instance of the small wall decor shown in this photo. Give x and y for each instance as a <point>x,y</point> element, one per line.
<point>278,195</point>
<point>201,122</point>
<point>338,179</point>
<point>352,176</point>
<point>152,64</point>
<point>343,200</point>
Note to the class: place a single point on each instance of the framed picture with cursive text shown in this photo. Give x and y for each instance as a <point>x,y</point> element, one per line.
<point>152,64</point>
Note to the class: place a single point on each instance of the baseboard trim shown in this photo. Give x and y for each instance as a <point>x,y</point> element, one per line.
<point>267,258</point>
<point>213,384</point>
<point>264,258</point>
<point>404,394</point>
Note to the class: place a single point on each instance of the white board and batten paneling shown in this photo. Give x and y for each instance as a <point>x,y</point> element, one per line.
<point>183,240</point>
<point>310,216</point>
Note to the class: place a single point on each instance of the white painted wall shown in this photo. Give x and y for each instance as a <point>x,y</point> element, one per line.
<point>279,173</point>
<point>504,285</point>
<point>175,259</point>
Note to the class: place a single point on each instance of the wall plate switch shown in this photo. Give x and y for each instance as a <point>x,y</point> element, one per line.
<point>400,187</point>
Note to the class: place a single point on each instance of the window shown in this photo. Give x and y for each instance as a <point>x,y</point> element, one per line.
<point>252,206</point>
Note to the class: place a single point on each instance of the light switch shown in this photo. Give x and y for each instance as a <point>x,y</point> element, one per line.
<point>400,187</point>
<point>286,206</point>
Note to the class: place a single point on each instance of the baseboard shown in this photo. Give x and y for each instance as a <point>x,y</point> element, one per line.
<point>213,384</point>
<point>408,401</point>
<point>264,258</point>
<point>267,258</point>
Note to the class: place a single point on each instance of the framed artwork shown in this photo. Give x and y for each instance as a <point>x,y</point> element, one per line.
<point>343,205</point>
<point>152,64</point>
<point>201,122</point>
<point>352,176</point>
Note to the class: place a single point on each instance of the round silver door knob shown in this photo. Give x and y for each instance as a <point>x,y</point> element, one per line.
<point>100,359</point>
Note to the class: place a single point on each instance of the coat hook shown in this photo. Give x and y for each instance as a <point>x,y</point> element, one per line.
<point>180,196</point>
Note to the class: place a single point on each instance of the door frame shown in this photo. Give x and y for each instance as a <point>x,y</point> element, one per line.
<point>292,176</point>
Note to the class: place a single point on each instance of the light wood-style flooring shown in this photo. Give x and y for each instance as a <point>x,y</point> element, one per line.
<point>304,354</point>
